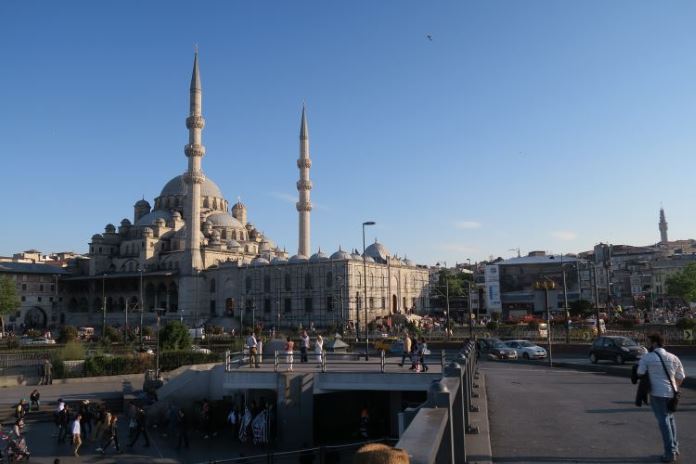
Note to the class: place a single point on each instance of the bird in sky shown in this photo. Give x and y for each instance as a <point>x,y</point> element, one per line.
<point>430,37</point>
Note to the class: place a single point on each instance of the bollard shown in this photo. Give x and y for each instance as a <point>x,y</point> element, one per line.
<point>381,360</point>
<point>275,361</point>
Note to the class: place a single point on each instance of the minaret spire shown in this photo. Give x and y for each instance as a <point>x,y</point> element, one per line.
<point>304,185</point>
<point>663,226</point>
<point>194,176</point>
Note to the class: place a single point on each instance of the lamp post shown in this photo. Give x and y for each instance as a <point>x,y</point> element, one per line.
<point>471,322</point>
<point>160,312</point>
<point>142,306</point>
<point>103,305</point>
<point>447,315</point>
<point>565,302</point>
<point>367,342</point>
<point>546,285</point>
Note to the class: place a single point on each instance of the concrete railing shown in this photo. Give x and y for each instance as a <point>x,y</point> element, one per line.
<point>435,432</point>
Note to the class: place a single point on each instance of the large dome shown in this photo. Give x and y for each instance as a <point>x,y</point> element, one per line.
<point>177,187</point>
<point>378,252</point>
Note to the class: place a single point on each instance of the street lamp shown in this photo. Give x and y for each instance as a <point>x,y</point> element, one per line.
<point>160,312</point>
<point>565,302</point>
<point>103,306</point>
<point>367,343</point>
<point>546,285</point>
<point>142,305</point>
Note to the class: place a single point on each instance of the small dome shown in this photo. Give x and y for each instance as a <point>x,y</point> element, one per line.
<point>142,204</point>
<point>356,256</point>
<point>222,219</point>
<point>97,237</point>
<point>341,255</point>
<point>318,256</point>
<point>152,216</point>
<point>259,262</point>
<point>378,251</point>
<point>298,259</point>
<point>279,260</point>
<point>238,206</point>
<point>109,229</point>
<point>125,222</point>
<point>233,245</point>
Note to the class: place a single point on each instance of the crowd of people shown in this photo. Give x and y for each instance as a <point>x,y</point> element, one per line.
<point>416,350</point>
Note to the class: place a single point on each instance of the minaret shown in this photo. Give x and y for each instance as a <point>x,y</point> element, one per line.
<point>194,176</point>
<point>663,226</point>
<point>304,185</point>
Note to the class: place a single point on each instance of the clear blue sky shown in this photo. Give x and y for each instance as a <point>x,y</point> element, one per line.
<point>534,124</point>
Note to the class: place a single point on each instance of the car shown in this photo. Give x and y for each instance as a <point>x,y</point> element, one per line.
<point>144,350</point>
<point>526,349</point>
<point>617,349</point>
<point>389,345</point>
<point>33,341</point>
<point>494,348</point>
<point>198,349</point>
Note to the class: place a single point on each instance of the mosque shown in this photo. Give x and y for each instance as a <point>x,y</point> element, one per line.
<point>195,258</point>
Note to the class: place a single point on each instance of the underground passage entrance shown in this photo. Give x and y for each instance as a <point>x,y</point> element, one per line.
<point>337,416</point>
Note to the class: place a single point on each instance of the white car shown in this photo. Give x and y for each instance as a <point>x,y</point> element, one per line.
<point>526,349</point>
<point>28,341</point>
<point>198,349</point>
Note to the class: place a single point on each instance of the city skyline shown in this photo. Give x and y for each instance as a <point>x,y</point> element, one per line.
<point>423,118</point>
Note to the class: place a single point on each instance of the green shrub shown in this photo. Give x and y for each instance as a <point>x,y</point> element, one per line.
<point>117,365</point>
<point>72,351</point>
<point>170,360</point>
<point>175,336</point>
<point>68,333</point>
<point>147,331</point>
<point>493,325</point>
<point>627,324</point>
<point>112,334</point>
<point>58,368</point>
<point>686,324</point>
<point>12,343</point>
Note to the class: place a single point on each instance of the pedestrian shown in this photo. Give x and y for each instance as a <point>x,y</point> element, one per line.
<point>319,348</point>
<point>85,413</point>
<point>48,372</point>
<point>666,376</point>
<point>252,345</point>
<point>103,423</point>
<point>20,409</point>
<point>415,366</point>
<point>34,397</point>
<point>289,358</point>
<point>76,434</point>
<point>205,418</point>
<point>57,416</point>
<point>140,428</point>
<point>364,422</point>
<point>182,429</point>
<point>406,351</point>
<point>110,435</point>
<point>18,428</point>
<point>422,353</point>
<point>65,421</point>
<point>259,349</point>
<point>304,346</point>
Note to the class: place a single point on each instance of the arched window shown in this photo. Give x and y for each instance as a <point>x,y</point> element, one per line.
<point>359,279</point>
<point>266,283</point>
<point>288,282</point>
<point>308,281</point>
<point>247,284</point>
<point>329,279</point>
<point>212,286</point>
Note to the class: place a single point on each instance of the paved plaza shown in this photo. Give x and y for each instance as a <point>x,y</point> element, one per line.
<point>542,415</point>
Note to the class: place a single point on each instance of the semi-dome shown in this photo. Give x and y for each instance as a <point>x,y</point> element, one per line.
<point>298,259</point>
<point>151,217</point>
<point>233,245</point>
<point>224,220</point>
<point>259,262</point>
<point>340,254</point>
<point>279,260</point>
<point>369,259</point>
<point>318,256</point>
<point>378,252</point>
<point>177,187</point>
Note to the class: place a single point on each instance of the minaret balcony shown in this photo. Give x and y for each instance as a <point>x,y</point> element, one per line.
<point>195,122</point>
<point>194,149</point>
<point>304,163</point>
<point>195,177</point>
<point>304,185</point>
<point>304,206</point>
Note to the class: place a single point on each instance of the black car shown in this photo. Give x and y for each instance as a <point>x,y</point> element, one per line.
<point>494,348</point>
<point>617,349</point>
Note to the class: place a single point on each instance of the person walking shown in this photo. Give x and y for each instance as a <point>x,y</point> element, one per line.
<point>48,372</point>
<point>289,358</point>
<point>85,412</point>
<point>252,344</point>
<point>182,429</point>
<point>319,348</point>
<point>666,376</point>
<point>422,353</point>
<point>304,346</point>
<point>110,435</point>
<point>75,430</point>
<point>64,419</point>
<point>406,352</point>
<point>140,428</point>
<point>34,397</point>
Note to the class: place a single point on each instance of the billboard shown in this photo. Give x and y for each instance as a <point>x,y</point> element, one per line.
<point>493,302</point>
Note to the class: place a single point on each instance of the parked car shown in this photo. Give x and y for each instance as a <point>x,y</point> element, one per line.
<point>198,349</point>
<point>526,349</point>
<point>34,341</point>
<point>617,349</point>
<point>494,348</point>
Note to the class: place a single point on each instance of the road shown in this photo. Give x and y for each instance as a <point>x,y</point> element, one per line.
<point>542,415</point>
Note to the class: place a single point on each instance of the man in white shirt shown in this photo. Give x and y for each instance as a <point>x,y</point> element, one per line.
<point>76,434</point>
<point>252,345</point>
<point>662,389</point>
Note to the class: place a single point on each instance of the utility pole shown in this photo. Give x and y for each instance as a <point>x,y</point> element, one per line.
<point>447,303</point>
<point>103,305</point>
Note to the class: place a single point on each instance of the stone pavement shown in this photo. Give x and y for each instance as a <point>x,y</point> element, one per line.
<point>543,415</point>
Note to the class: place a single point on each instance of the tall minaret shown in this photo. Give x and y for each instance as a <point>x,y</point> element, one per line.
<point>194,176</point>
<point>304,185</point>
<point>663,226</point>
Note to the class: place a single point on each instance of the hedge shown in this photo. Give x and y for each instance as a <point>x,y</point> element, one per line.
<point>138,364</point>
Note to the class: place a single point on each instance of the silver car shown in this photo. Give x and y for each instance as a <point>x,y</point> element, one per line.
<point>526,349</point>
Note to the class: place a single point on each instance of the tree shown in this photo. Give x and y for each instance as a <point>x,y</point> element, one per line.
<point>175,336</point>
<point>68,333</point>
<point>9,301</point>
<point>683,283</point>
<point>458,283</point>
<point>580,307</point>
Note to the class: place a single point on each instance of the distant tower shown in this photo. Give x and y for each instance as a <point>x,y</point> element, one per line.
<point>194,176</point>
<point>140,209</point>
<point>304,185</point>
<point>663,226</point>
<point>239,212</point>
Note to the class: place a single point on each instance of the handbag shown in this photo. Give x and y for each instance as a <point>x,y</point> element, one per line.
<point>672,403</point>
